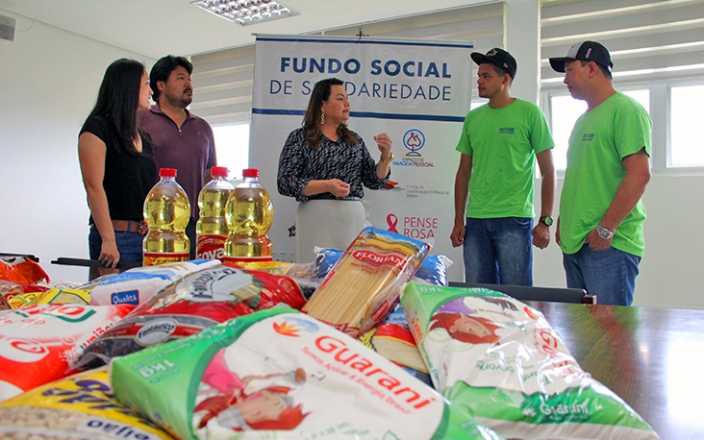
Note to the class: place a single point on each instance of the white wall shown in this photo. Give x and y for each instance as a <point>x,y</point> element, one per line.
<point>50,81</point>
<point>671,269</point>
<point>522,39</point>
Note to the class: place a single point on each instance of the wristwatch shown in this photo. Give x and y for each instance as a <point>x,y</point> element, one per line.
<point>546,220</point>
<point>604,233</point>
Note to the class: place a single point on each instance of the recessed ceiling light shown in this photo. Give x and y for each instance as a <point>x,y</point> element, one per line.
<point>245,12</point>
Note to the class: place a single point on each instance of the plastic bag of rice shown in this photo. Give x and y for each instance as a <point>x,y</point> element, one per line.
<point>281,374</point>
<point>500,359</point>
<point>77,407</point>
<point>140,284</point>
<point>38,343</point>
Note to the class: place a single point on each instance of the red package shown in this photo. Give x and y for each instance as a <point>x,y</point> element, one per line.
<point>37,342</point>
<point>22,271</point>
<point>186,307</point>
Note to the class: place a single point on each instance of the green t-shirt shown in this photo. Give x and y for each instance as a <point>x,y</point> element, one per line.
<point>600,139</point>
<point>503,143</point>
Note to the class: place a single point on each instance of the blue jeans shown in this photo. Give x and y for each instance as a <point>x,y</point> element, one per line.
<point>498,251</point>
<point>609,274</point>
<point>129,244</point>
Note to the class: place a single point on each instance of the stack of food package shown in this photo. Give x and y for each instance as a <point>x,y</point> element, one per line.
<point>205,350</point>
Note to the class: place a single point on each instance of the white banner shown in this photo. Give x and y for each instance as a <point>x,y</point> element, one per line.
<point>416,91</point>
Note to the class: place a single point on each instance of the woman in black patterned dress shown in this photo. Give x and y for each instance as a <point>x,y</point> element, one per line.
<point>325,165</point>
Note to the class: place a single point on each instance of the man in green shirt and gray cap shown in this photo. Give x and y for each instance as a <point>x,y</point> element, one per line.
<point>499,144</point>
<point>600,227</point>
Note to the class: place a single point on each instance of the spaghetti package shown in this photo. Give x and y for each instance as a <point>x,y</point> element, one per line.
<point>365,283</point>
<point>184,308</point>
<point>77,407</point>
<point>138,285</point>
<point>393,340</point>
<point>281,374</point>
<point>432,270</point>
<point>501,360</point>
<point>36,343</point>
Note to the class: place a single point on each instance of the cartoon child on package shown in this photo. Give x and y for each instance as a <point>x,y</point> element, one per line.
<point>460,323</point>
<point>241,404</point>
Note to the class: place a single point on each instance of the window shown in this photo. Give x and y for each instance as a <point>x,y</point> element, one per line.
<point>477,102</point>
<point>685,116</point>
<point>565,110</point>
<point>232,147</point>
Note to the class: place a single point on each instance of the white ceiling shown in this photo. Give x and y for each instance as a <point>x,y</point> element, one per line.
<point>156,27</point>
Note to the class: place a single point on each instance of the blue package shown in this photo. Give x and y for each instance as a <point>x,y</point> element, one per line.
<point>432,270</point>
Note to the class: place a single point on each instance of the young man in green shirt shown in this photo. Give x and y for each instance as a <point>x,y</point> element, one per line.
<point>600,227</point>
<point>499,144</point>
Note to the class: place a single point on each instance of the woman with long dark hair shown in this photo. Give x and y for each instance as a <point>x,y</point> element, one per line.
<point>116,164</point>
<point>325,166</point>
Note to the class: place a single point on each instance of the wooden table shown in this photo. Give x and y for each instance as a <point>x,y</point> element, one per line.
<point>652,358</point>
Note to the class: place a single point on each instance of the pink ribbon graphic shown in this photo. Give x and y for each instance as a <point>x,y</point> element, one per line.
<point>392,222</point>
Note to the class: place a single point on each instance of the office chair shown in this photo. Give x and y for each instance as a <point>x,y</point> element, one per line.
<point>525,293</point>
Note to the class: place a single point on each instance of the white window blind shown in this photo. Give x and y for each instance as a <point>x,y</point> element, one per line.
<point>648,39</point>
<point>222,80</point>
<point>222,85</point>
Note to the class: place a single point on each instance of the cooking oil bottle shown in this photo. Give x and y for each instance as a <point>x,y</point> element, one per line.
<point>166,212</point>
<point>249,215</point>
<point>211,228</point>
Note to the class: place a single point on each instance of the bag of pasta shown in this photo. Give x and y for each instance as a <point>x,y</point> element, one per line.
<point>393,340</point>
<point>281,374</point>
<point>77,407</point>
<point>366,282</point>
<point>433,269</point>
<point>56,295</point>
<point>200,300</point>
<point>138,285</point>
<point>500,359</point>
<point>301,273</point>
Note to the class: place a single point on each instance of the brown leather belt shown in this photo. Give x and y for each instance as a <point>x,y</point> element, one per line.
<point>129,226</point>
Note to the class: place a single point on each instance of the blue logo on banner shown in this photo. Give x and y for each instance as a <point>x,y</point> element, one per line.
<point>126,297</point>
<point>413,141</point>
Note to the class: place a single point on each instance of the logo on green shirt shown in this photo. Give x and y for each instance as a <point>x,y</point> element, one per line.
<point>507,130</point>
<point>586,137</point>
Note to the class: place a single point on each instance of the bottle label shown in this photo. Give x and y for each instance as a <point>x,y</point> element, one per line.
<point>210,247</point>
<point>156,258</point>
<point>226,259</point>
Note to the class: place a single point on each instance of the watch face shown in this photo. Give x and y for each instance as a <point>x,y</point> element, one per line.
<point>603,234</point>
<point>547,220</point>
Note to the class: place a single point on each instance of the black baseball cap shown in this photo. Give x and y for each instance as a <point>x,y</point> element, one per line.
<point>499,58</point>
<point>584,51</point>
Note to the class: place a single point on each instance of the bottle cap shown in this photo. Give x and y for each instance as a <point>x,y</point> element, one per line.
<point>250,172</point>
<point>167,172</point>
<point>219,171</point>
